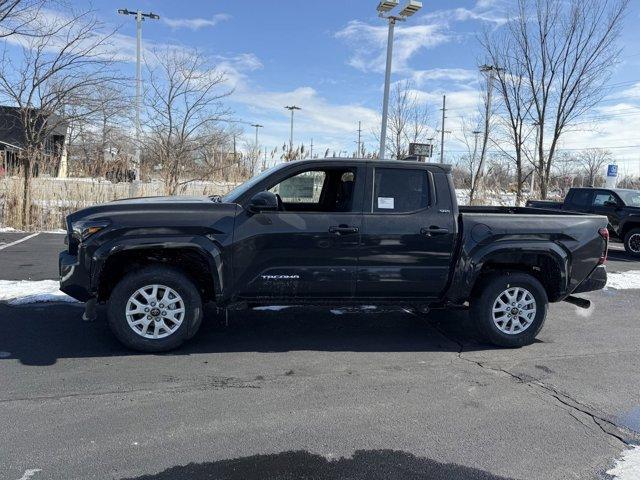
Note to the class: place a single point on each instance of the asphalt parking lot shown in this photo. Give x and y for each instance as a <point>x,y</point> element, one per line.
<point>313,394</point>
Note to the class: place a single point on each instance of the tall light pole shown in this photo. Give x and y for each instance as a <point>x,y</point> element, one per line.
<point>384,7</point>
<point>257,126</point>
<point>140,17</point>
<point>291,108</point>
<point>490,71</point>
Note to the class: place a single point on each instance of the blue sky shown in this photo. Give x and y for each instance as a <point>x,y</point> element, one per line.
<point>327,57</point>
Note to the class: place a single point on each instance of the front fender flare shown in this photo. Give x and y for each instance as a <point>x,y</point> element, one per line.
<point>206,247</point>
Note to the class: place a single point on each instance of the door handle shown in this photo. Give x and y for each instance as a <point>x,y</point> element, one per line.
<point>433,230</point>
<point>343,230</point>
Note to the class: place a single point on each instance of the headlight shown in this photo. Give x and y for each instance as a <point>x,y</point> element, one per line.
<point>83,229</point>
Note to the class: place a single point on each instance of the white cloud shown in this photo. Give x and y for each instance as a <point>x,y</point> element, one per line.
<point>369,43</point>
<point>331,125</point>
<point>458,75</point>
<point>195,23</point>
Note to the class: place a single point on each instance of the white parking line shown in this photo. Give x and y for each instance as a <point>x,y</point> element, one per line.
<point>23,239</point>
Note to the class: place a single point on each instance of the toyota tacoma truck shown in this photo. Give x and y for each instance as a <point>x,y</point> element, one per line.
<point>620,206</point>
<point>327,232</point>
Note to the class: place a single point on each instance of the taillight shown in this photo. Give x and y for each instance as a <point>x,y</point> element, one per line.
<point>604,233</point>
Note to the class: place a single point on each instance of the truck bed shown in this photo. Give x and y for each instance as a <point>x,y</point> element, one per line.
<point>542,210</point>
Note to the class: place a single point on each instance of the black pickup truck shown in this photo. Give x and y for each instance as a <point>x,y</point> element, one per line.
<point>621,207</point>
<point>329,232</point>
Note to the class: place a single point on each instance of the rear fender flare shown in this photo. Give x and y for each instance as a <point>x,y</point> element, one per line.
<point>511,252</point>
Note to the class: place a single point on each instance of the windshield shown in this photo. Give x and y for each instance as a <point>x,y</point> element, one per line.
<point>233,195</point>
<point>631,198</point>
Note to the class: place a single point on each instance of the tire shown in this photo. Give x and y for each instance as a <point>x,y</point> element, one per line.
<point>495,292</point>
<point>167,327</point>
<point>632,242</point>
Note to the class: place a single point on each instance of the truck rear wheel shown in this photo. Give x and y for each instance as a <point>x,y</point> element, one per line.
<point>632,242</point>
<point>510,309</point>
<point>155,309</point>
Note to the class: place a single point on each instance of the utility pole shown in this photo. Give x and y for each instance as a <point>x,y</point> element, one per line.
<point>359,155</point>
<point>312,148</point>
<point>535,157</point>
<point>384,7</point>
<point>234,149</point>
<point>444,117</point>
<point>140,17</point>
<point>292,108</point>
<point>476,134</point>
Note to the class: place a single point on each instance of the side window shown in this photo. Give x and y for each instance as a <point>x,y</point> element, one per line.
<point>305,187</point>
<point>602,198</point>
<point>581,198</point>
<point>324,190</point>
<point>399,190</point>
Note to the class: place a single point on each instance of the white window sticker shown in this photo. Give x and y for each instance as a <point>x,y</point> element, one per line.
<point>386,203</point>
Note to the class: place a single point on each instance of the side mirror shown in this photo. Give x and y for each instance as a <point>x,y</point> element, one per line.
<point>263,202</point>
<point>610,203</point>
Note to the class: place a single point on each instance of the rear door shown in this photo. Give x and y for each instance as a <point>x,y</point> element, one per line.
<point>580,200</point>
<point>605,202</point>
<point>408,233</point>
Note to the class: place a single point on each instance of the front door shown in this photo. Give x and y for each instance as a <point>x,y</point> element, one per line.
<point>309,248</point>
<point>407,235</point>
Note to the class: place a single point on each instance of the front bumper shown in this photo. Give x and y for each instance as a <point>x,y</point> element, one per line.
<point>597,280</point>
<point>74,278</point>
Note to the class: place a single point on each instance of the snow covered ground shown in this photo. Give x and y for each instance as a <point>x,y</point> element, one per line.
<point>628,466</point>
<point>19,292</point>
<point>624,280</point>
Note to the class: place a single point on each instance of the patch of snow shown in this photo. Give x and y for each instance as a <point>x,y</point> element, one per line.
<point>627,466</point>
<point>624,280</point>
<point>60,231</point>
<point>29,473</point>
<point>272,308</point>
<point>9,230</point>
<point>20,292</point>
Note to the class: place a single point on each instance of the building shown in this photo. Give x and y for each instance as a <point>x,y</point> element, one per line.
<point>12,142</point>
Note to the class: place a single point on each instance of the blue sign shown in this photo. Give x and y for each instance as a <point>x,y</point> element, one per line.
<point>612,171</point>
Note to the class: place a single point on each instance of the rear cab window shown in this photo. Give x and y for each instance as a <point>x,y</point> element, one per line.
<point>399,190</point>
<point>581,198</point>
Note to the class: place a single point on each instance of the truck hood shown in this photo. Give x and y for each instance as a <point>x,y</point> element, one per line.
<point>162,200</point>
<point>158,212</point>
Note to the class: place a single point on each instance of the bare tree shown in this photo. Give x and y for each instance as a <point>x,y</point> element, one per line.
<point>408,120</point>
<point>567,50</point>
<point>183,102</point>
<point>468,162</point>
<point>59,67</point>
<point>17,17</point>
<point>592,161</point>
<point>514,104</point>
<point>564,173</point>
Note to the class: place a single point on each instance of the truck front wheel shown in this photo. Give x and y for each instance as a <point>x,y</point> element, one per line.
<point>632,242</point>
<point>155,309</point>
<point>510,309</point>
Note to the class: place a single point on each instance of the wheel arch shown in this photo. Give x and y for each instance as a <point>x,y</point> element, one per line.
<point>548,265</point>
<point>202,265</point>
<point>627,226</point>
